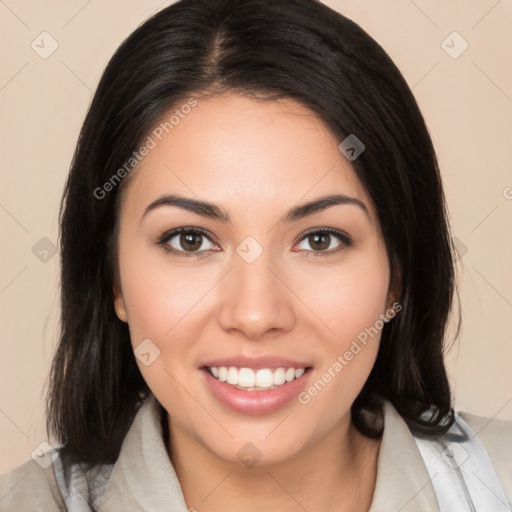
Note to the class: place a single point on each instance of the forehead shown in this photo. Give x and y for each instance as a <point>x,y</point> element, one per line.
<point>247,154</point>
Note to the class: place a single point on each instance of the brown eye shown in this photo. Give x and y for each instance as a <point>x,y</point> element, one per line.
<point>321,241</point>
<point>186,242</point>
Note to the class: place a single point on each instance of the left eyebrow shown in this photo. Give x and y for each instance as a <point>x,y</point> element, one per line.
<point>211,210</point>
<point>321,204</point>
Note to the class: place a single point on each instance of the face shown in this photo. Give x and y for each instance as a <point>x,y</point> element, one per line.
<point>246,325</point>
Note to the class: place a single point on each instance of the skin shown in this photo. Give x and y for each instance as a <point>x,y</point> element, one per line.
<point>256,159</point>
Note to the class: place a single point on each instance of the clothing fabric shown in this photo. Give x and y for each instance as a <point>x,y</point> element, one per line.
<point>143,478</point>
<point>461,471</point>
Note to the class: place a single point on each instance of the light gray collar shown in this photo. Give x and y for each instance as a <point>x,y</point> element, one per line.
<point>143,478</point>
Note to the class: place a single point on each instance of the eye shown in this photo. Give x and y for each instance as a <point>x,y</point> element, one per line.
<point>186,242</point>
<point>320,241</point>
<point>195,242</point>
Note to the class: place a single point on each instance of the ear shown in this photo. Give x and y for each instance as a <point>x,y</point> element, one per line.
<point>119,304</point>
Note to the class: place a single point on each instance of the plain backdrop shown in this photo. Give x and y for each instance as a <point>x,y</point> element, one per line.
<point>465,94</point>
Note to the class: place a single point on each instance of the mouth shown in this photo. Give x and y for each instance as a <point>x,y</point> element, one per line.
<point>255,387</point>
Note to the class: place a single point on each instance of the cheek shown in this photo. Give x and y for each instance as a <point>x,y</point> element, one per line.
<point>157,293</point>
<point>353,303</point>
<point>348,298</point>
<point>160,299</point>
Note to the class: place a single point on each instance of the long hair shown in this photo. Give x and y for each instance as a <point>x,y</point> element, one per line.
<point>298,49</point>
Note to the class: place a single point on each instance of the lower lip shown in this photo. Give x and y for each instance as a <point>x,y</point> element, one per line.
<point>255,402</point>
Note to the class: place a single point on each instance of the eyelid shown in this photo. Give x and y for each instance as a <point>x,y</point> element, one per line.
<point>171,233</point>
<point>342,235</point>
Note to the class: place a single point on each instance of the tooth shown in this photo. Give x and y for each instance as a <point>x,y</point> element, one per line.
<point>264,378</point>
<point>299,372</point>
<point>246,377</point>
<point>215,371</point>
<point>279,377</point>
<point>232,375</point>
<point>223,374</point>
<point>290,374</point>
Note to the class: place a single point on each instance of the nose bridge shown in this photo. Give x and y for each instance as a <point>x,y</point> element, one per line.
<point>255,299</point>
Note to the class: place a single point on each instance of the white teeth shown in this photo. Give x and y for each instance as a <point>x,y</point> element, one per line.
<point>299,372</point>
<point>232,375</point>
<point>279,377</point>
<point>246,377</point>
<point>254,380</point>
<point>264,378</point>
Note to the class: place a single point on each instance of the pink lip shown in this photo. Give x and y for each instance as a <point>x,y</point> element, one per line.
<point>257,362</point>
<point>255,402</point>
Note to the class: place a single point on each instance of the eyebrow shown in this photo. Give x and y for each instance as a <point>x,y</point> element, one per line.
<point>212,211</point>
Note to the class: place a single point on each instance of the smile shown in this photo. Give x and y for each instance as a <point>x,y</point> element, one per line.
<point>255,385</point>
<point>248,379</point>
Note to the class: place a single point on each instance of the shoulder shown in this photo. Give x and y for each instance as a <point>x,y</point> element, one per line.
<point>496,436</point>
<point>30,485</point>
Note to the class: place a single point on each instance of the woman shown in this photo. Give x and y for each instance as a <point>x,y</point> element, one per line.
<point>257,275</point>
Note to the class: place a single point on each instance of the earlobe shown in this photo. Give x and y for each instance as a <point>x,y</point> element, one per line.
<point>119,304</point>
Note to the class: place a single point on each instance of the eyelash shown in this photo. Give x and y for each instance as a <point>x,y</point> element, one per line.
<point>344,238</point>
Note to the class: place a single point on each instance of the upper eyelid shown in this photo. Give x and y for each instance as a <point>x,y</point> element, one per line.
<point>171,233</point>
<point>330,231</point>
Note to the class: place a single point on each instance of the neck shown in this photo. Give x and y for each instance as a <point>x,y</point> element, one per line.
<point>336,473</point>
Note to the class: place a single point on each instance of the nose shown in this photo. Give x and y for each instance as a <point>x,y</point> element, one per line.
<point>256,300</point>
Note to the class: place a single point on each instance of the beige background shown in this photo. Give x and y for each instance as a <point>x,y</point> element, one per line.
<point>467,103</point>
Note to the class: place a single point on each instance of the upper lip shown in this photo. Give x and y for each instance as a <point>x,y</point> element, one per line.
<point>256,362</point>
